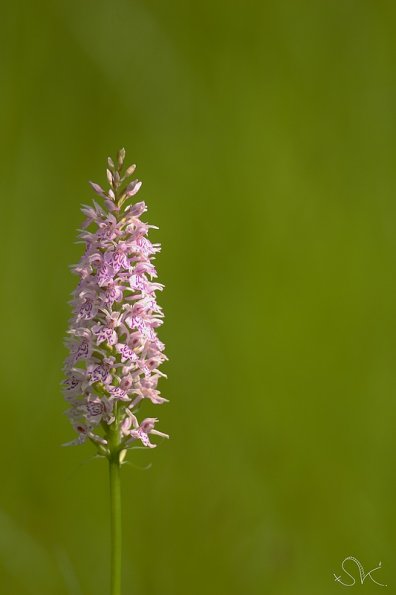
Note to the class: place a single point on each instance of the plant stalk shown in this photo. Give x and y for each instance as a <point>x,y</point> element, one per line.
<point>116,529</point>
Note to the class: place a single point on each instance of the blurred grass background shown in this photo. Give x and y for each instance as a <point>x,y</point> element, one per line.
<point>265,135</point>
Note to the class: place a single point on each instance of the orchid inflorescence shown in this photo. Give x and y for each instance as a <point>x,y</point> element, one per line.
<point>115,352</point>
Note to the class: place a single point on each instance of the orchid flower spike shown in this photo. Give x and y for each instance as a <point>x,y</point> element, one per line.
<point>115,353</point>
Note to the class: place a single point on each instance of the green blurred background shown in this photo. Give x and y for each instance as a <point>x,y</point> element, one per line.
<point>265,134</point>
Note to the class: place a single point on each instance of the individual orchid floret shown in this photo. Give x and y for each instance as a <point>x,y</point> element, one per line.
<point>131,428</point>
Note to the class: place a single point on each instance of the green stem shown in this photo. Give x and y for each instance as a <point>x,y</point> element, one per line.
<point>116,541</point>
